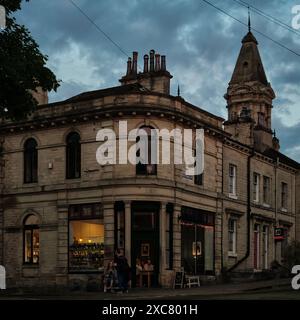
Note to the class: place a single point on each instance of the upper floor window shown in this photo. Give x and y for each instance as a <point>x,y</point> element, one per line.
<point>73,156</point>
<point>261,119</point>
<point>146,168</point>
<point>198,179</point>
<point>30,161</point>
<point>284,195</point>
<point>256,181</point>
<point>232,179</point>
<point>31,240</point>
<point>266,190</point>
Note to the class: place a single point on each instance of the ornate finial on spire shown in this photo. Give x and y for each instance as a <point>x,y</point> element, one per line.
<point>178,91</point>
<point>274,133</point>
<point>249,21</point>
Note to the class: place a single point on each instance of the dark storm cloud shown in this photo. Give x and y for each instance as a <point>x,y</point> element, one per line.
<point>201,45</point>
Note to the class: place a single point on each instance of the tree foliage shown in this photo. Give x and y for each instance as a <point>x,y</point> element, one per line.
<point>22,67</point>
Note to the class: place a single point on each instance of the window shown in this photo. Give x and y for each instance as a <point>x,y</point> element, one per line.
<point>232,179</point>
<point>284,195</point>
<point>256,244</point>
<point>232,236</point>
<point>30,161</point>
<point>31,240</point>
<point>256,181</point>
<point>198,180</point>
<point>146,168</point>
<point>86,238</point>
<point>261,119</point>
<point>265,247</point>
<point>119,225</point>
<point>266,190</point>
<point>73,156</point>
<point>169,236</point>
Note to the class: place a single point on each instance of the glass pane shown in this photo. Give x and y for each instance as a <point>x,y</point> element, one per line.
<point>86,245</point>
<point>143,220</point>
<point>36,246</point>
<point>27,246</point>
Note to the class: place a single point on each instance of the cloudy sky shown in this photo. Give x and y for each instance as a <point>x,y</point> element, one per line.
<point>201,45</point>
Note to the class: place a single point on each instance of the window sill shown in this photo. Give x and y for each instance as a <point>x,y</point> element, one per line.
<point>30,265</point>
<point>266,205</point>
<point>283,210</point>
<point>72,179</point>
<point>232,255</point>
<point>30,184</point>
<point>232,196</point>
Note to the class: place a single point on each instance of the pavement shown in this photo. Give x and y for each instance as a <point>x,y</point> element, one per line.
<point>279,289</point>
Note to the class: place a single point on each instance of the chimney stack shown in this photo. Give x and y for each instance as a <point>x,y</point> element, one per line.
<point>128,66</point>
<point>154,76</point>
<point>134,64</point>
<point>146,65</point>
<point>152,52</point>
<point>157,62</point>
<point>163,63</point>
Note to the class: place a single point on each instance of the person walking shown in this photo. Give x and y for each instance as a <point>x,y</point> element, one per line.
<point>123,270</point>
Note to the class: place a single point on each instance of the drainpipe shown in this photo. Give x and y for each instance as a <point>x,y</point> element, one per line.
<point>276,208</point>
<point>248,212</point>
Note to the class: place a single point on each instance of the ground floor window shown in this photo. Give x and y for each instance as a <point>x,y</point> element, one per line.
<point>86,238</point>
<point>31,240</point>
<point>232,236</point>
<point>119,225</point>
<point>197,241</point>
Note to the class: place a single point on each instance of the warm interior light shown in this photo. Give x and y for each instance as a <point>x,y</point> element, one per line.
<point>80,240</point>
<point>89,241</point>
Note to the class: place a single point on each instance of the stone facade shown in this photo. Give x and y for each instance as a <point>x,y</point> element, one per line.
<point>142,100</point>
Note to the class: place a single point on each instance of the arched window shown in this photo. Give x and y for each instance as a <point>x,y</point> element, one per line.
<point>149,168</point>
<point>73,156</point>
<point>31,240</point>
<point>30,161</point>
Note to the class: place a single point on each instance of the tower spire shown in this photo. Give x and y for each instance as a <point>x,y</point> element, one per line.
<point>249,20</point>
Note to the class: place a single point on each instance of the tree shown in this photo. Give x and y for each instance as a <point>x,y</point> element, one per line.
<point>22,67</point>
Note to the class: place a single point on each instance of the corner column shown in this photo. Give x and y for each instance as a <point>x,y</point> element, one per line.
<point>128,231</point>
<point>108,217</point>
<point>176,238</point>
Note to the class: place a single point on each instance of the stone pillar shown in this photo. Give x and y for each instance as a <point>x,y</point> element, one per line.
<point>128,231</point>
<point>109,226</point>
<point>62,245</point>
<point>176,238</point>
<point>1,236</point>
<point>218,237</point>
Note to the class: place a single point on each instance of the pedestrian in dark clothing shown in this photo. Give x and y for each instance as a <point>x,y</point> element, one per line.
<point>123,270</point>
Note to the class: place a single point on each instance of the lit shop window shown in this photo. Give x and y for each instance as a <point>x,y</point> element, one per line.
<point>31,240</point>
<point>86,238</point>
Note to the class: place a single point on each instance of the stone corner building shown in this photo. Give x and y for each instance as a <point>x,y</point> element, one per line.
<point>62,214</point>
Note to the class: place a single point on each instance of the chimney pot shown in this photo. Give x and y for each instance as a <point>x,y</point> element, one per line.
<point>128,66</point>
<point>157,62</point>
<point>163,63</point>
<point>152,53</point>
<point>146,63</point>
<point>134,64</point>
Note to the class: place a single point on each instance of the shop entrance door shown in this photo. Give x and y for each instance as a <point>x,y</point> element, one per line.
<point>145,244</point>
<point>193,249</point>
